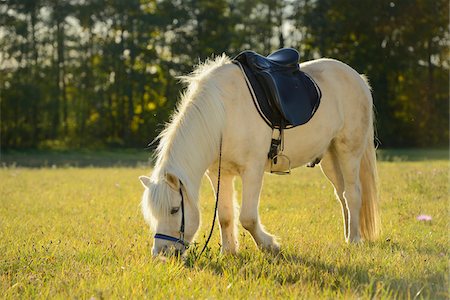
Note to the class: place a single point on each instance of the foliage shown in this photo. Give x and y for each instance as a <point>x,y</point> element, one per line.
<point>79,233</point>
<point>103,72</point>
<point>402,47</point>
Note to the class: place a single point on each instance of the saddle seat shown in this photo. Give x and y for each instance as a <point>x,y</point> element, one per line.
<point>284,96</point>
<point>287,57</point>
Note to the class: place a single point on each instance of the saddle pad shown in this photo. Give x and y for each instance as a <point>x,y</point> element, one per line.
<point>285,97</point>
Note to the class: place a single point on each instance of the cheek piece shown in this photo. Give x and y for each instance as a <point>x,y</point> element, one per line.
<point>180,240</point>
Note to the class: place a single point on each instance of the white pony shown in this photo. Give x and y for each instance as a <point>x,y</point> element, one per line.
<point>217,105</point>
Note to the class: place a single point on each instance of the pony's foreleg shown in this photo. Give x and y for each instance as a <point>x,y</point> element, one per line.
<point>226,208</point>
<point>252,179</point>
<point>330,167</point>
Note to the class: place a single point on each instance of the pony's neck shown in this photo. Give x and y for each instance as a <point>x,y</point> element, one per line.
<point>184,168</point>
<point>190,144</point>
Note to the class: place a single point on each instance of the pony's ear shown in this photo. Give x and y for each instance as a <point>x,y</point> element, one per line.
<point>145,181</point>
<point>172,181</point>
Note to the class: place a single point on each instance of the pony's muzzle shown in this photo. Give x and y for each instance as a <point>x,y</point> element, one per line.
<point>168,250</point>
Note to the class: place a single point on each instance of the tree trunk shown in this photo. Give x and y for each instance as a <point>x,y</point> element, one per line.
<point>57,95</point>
<point>430,101</point>
<point>280,26</point>
<point>35,75</point>
<point>131,80</point>
<point>62,73</point>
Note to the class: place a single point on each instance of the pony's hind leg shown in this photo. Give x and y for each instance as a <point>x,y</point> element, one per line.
<point>252,179</point>
<point>226,209</point>
<point>330,167</point>
<point>359,174</point>
<point>349,163</point>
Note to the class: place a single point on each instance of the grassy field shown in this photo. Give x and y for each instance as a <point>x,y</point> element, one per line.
<point>69,232</point>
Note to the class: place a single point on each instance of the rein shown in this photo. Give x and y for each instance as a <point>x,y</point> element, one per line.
<point>217,198</point>
<point>181,239</point>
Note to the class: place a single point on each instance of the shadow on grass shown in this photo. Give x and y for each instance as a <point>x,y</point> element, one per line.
<point>363,276</point>
<point>288,268</point>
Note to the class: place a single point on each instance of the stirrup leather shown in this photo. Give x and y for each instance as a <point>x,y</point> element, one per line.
<point>276,153</point>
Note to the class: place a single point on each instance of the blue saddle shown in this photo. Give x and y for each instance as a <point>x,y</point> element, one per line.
<point>284,96</point>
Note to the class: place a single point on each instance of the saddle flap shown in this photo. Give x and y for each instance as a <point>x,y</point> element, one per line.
<point>296,95</point>
<point>271,90</point>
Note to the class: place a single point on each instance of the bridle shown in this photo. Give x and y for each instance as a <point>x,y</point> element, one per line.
<point>180,240</point>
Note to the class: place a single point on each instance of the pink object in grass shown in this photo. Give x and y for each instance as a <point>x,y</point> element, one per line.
<point>424,218</point>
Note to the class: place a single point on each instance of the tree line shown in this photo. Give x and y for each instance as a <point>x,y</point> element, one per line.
<point>91,73</point>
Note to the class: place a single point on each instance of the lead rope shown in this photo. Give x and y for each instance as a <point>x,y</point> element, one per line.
<point>217,198</point>
<point>182,215</point>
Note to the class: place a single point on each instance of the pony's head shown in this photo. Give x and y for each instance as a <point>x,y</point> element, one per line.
<point>187,146</point>
<point>172,215</point>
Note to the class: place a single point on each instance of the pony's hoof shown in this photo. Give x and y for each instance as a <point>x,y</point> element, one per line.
<point>274,248</point>
<point>228,251</point>
<point>354,240</point>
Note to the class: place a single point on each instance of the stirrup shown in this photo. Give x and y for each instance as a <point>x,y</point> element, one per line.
<point>281,156</point>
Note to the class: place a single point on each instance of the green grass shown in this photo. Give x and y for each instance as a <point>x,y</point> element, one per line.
<point>79,233</point>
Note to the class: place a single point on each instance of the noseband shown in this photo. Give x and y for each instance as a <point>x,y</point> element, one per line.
<point>179,240</point>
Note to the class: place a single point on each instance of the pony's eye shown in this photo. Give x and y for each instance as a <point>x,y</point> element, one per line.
<point>174,210</point>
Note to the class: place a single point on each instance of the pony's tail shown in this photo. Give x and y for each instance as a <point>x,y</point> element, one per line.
<point>370,224</point>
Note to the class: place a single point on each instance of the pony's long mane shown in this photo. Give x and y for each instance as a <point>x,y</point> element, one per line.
<point>192,137</point>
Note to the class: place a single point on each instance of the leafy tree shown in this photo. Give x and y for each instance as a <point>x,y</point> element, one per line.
<point>399,44</point>
<point>104,72</point>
